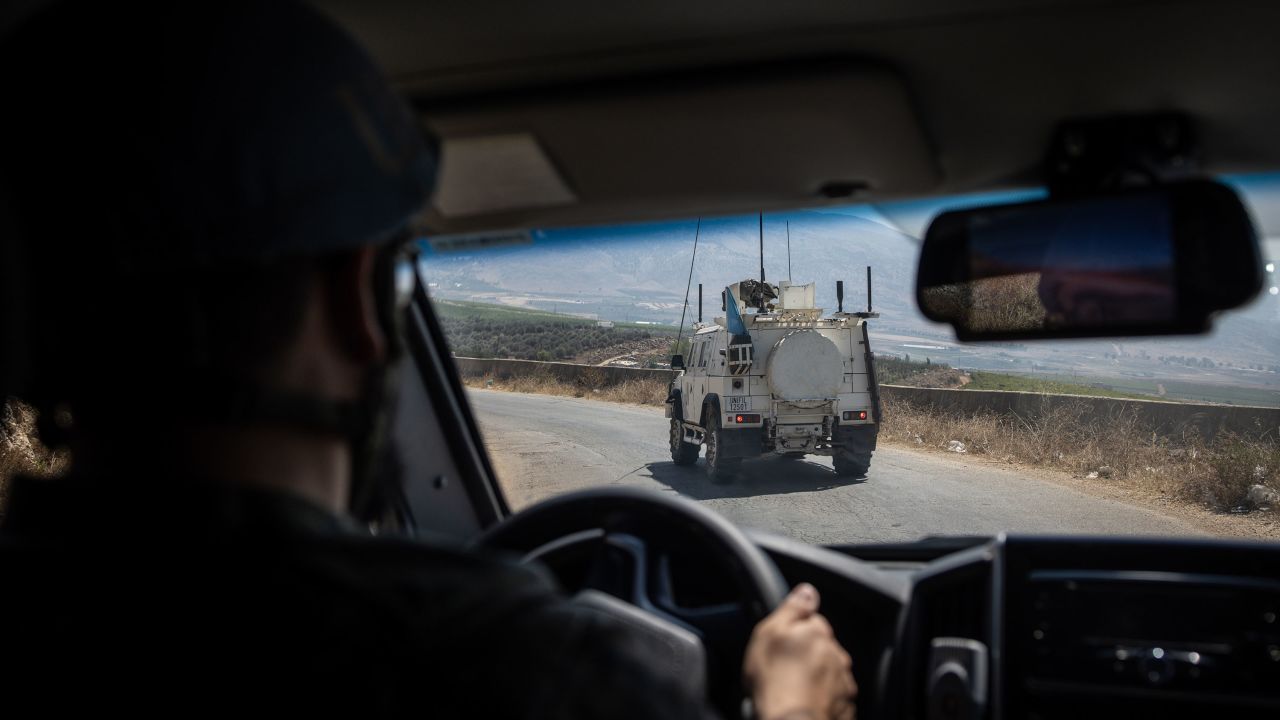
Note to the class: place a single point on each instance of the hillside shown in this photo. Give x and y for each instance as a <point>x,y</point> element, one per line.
<point>478,330</point>
<point>638,272</point>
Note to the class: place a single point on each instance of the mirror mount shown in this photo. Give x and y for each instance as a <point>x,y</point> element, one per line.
<point>1096,155</point>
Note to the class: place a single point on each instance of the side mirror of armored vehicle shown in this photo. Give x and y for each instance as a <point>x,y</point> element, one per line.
<point>677,362</point>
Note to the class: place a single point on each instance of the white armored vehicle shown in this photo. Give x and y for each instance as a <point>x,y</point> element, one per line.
<point>773,376</point>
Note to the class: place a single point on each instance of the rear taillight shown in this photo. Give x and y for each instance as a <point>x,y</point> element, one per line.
<point>855,414</point>
<point>746,418</point>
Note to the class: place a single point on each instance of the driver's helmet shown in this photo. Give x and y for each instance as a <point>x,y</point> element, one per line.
<point>158,137</point>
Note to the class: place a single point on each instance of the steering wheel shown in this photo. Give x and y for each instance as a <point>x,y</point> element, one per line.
<point>632,534</point>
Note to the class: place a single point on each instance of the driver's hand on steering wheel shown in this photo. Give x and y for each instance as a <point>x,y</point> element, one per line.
<point>795,668</point>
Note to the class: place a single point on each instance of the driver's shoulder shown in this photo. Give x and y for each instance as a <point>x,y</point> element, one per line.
<point>471,594</point>
<point>415,564</point>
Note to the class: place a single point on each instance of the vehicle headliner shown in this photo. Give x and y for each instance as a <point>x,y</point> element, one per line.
<point>988,79</point>
<point>985,81</point>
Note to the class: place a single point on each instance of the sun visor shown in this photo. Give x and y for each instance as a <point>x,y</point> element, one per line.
<point>677,147</point>
<point>497,173</point>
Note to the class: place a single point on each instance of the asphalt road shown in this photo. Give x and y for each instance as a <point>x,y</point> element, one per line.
<point>543,445</point>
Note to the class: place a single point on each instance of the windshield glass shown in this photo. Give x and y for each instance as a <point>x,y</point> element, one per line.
<point>822,405</point>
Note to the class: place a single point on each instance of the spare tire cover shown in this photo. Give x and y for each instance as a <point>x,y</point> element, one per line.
<point>804,365</point>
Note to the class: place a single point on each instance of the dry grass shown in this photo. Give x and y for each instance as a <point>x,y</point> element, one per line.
<point>1217,474</point>
<point>21,452</point>
<point>638,392</point>
<point>1009,303</point>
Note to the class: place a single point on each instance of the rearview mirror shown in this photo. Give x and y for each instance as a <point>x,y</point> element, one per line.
<point>677,362</point>
<point>1154,261</point>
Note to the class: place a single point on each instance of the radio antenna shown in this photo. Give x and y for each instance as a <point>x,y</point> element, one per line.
<point>868,289</point>
<point>788,251</point>
<point>762,261</point>
<point>688,284</point>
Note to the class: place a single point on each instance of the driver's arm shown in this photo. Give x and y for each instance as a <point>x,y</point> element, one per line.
<point>545,657</point>
<point>795,668</point>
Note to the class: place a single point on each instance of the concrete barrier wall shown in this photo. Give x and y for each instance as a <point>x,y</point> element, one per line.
<point>1166,418</point>
<point>594,375</point>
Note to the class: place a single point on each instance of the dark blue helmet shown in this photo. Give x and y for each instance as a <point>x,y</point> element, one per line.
<point>162,137</point>
<point>210,130</point>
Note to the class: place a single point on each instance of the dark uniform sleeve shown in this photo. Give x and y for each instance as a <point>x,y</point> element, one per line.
<point>607,672</point>
<point>258,603</point>
<point>517,648</point>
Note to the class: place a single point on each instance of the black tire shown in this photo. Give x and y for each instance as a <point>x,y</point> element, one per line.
<point>719,468</point>
<point>682,453</point>
<point>851,463</point>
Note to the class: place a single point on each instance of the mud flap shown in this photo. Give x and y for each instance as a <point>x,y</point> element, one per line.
<point>859,438</point>
<point>741,443</point>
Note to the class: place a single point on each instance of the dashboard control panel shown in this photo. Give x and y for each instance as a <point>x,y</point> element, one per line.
<point>1084,635</point>
<point>1153,630</point>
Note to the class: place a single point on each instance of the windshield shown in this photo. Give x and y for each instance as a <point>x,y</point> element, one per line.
<point>826,407</point>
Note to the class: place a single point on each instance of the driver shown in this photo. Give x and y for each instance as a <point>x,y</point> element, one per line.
<point>211,198</point>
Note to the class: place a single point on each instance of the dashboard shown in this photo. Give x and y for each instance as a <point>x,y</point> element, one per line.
<point>1053,627</point>
<point>1025,627</point>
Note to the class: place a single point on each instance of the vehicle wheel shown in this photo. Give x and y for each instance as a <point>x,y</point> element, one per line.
<point>852,463</point>
<point>719,469</point>
<point>682,453</point>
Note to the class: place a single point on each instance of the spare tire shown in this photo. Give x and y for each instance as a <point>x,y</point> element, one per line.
<point>804,365</point>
